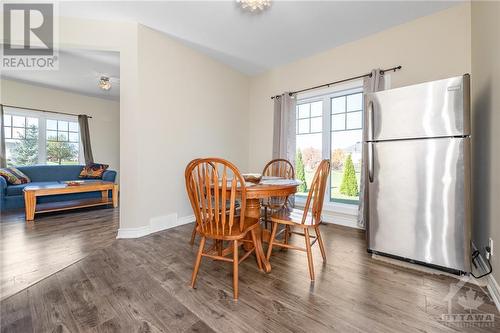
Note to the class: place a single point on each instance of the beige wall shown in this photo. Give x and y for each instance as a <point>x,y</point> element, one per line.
<point>121,37</point>
<point>164,114</point>
<point>191,106</point>
<point>104,125</point>
<point>429,48</point>
<point>486,125</point>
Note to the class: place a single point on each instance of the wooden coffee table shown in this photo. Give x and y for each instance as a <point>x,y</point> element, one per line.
<point>31,192</point>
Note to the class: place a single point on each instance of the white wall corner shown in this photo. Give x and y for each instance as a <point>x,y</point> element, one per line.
<point>156,224</point>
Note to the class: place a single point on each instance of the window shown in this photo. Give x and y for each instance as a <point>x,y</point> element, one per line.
<point>62,142</point>
<point>330,126</point>
<point>21,139</point>
<point>346,135</point>
<point>309,129</point>
<point>33,137</point>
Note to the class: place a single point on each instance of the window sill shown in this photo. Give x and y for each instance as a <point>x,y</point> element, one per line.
<point>332,207</point>
<point>336,213</point>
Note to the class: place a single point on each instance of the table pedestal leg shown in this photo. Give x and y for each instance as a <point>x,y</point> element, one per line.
<point>253,210</point>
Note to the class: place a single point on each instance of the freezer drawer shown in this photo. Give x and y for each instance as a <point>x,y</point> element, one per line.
<point>432,109</point>
<point>419,200</point>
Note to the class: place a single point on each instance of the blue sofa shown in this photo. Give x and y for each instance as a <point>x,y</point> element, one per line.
<point>12,196</point>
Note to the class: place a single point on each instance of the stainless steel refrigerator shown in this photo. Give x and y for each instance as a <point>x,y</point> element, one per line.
<point>417,153</point>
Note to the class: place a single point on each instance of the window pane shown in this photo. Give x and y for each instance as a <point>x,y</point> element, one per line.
<point>338,122</point>
<point>51,124</point>
<point>73,137</point>
<point>317,109</point>
<point>18,121</point>
<point>309,153</point>
<point>316,124</point>
<point>9,149</point>
<point>346,165</point>
<point>354,102</point>
<point>22,151</point>
<point>62,136</point>
<point>32,122</point>
<point>354,120</point>
<point>8,132</point>
<point>52,135</point>
<point>17,133</point>
<point>62,153</point>
<point>304,110</point>
<point>7,120</point>
<point>338,104</point>
<point>303,126</point>
<point>62,125</point>
<point>73,127</point>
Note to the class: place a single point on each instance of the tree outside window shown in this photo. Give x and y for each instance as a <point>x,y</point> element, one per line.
<point>25,150</point>
<point>21,140</point>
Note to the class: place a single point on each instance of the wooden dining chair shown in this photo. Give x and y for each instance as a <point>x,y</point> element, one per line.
<point>309,218</point>
<point>277,168</point>
<point>213,186</point>
<point>193,233</point>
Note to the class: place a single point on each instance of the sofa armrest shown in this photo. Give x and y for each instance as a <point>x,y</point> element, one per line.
<point>3,187</point>
<point>109,176</point>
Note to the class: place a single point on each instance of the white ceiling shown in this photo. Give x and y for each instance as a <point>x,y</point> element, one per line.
<point>253,43</point>
<point>249,42</point>
<point>79,72</point>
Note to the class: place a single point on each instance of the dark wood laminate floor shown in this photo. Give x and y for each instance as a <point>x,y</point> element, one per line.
<point>32,251</point>
<point>141,285</point>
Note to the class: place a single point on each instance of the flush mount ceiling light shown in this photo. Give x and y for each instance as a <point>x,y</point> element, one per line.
<point>254,5</point>
<point>104,83</point>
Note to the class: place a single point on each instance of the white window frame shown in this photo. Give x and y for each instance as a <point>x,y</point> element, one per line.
<point>326,94</point>
<point>42,129</point>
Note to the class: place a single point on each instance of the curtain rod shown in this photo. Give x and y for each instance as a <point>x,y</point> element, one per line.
<point>40,110</point>
<point>340,81</point>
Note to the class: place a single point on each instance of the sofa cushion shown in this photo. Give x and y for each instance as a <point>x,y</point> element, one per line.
<point>14,176</point>
<point>93,171</point>
<point>18,189</point>
<point>49,173</point>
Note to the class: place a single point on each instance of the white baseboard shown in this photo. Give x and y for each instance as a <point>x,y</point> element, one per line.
<point>155,224</point>
<point>491,283</point>
<point>133,232</point>
<point>494,290</point>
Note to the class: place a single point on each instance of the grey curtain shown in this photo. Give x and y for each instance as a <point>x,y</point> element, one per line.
<point>284,127</point>
<point>373,83</point>
<point>83,121</point>
<point>3,157</point>
<point>284,140</point>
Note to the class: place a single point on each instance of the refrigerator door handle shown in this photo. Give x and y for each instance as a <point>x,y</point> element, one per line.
<point>370,161</point>
<point>370,121</point>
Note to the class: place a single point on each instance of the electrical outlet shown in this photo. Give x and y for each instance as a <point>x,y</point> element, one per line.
<point>490,244</point>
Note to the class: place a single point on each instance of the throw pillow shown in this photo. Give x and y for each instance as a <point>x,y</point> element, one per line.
<point>93,171</point>
<point>14,177</point>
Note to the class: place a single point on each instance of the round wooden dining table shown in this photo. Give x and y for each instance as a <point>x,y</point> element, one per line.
<point>268,187</point>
